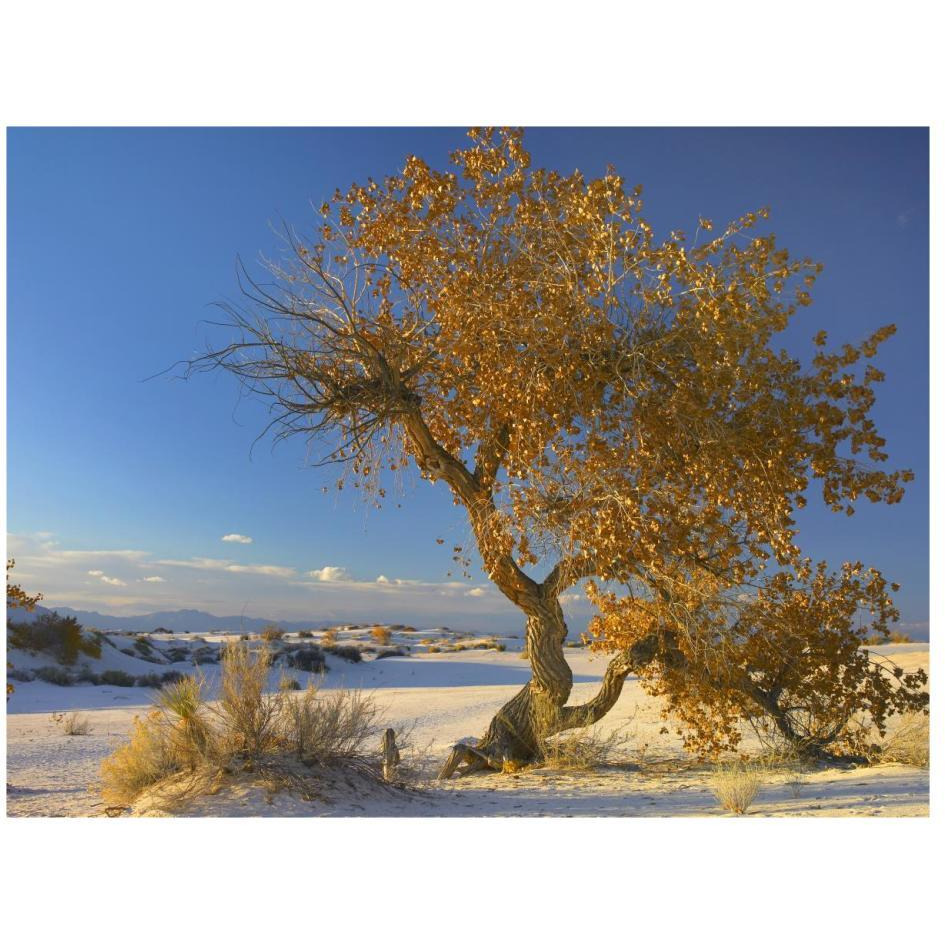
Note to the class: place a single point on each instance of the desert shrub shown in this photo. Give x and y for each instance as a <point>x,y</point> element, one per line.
<point>145,759</point>
<point>349,653</point>
<point>907,742</point>
<point>178,654</point>
<point>189,745</point>
<point>433,648</point>
<point>170,677</point>
<point>116,677</point>
<point>204,655</point>
<point>61,637</point>
<point>306,634</point>
<point>74,724</point>
<point>499,647</point>
<point>328,728</point>
<point>150,680</point>
<point>244,636</point>
<point>735,785</point>
<point>87,675</point>
<point>381,635</point>
<point>143,645</point>
<point>289,684</point>
<point>248,717</point>
<point>329,637</point>
<point>311,659</point>
<point>54,674</point>
<point>272,633</point>
<point>20,675</point>
<point>162,630</point>
<point>391,651</point>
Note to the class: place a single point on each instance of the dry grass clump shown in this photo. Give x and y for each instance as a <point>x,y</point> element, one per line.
<point>187,746</point>
<point>736,785</point>
<point>907,742</point>
<point>582,748</point>
<point>329,637</point>
<point>381,635</point>
<point>73,723</point>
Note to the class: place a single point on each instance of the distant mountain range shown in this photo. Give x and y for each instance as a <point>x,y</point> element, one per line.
<point>179,621</point>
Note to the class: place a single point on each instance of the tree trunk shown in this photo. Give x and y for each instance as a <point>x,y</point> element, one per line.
<point>539,710</point>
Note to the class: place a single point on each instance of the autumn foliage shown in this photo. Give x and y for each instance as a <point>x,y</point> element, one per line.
<point>606,403</point>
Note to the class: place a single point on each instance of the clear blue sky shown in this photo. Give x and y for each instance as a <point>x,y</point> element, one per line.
<point>119,240</point>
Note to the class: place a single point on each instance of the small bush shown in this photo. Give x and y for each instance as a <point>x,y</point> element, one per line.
<point>20,675</point>
<point>735,786</point>
<point>62,637</point>
<point>306,634</point>
<point>272,633</point>
<point>311,659</point>
<point>143,645</point>
<point>393,651</point>
<point>150,680</point>
<point>191,746</point>
<point>55,675</point>
<point>289,684</point>
<point>86,675</point>
<point>381,635</point>
<point>116,677</point>
<point>178,654</point>
<point>171,677</point>
<point>329,637</point>
<point>908,741</point>
<point>148,757</point>
<point>75,724</point>
<point>349,653</point>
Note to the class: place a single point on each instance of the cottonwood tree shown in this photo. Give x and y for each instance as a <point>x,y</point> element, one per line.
<point>602,402</point>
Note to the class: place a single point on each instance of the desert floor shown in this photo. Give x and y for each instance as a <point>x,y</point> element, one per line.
<point>444,698</point>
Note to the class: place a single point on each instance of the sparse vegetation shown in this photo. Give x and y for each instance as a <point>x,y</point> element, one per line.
<point>189,747</point>
<point>381,635</point>
<point>61,637</point>
<point>115,677</point>
<point>272,633</point>
<point>907,742</point>
<point>329,637</point>
<point>73,723</point>
<point>55,675</point>
<point>736,785</point>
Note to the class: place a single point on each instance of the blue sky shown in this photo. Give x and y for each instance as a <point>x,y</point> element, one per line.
<point>120,239</point>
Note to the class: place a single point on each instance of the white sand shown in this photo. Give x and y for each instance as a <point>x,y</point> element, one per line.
<point>445,697</point>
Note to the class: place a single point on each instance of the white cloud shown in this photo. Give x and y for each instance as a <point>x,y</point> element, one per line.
<point>153,579</point>
<point>115,582</point>
<point>476,592</point>
<point>330,573</point>
<point>222,564</point>
<point>239,539</point>
<point>97,573</point>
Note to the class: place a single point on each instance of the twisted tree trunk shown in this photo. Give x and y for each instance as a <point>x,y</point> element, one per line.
<point>539,710</point>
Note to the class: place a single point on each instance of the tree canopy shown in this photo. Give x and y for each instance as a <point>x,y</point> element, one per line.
<point>606,403</point>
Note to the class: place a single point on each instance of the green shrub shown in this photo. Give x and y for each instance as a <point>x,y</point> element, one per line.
<point>55,675</point>
<point>116,677</point>
<point>60,636</point>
